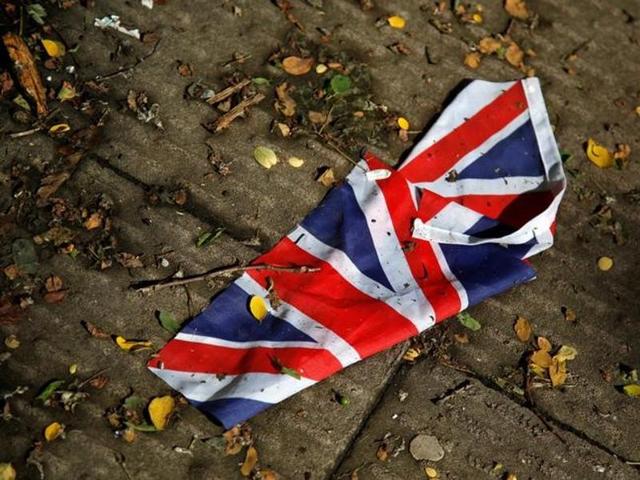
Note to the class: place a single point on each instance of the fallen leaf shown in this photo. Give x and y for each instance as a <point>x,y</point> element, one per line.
<point>207,238</point>
<point>53,431</point>
<point>605,263</point>
<point>632,389</point>
<point>73,368</point>
<point>541,358</point>
<point>431,472</point>
<point>514,55</point>
<point>544,344</point>
<point>129,435</point>
<point>340,84</point>
<point>569,314</point>
<point>599,154</point>
<point>54,293</point>
<point>511,476</point>
<point>411,355</point>
<point>99,382</point>
<point>250,461</point>
<point>461,338</point>
<point>565,353</point>
<point>403,123</point>
<point>49,389</point>
<point>54,48</point>
<point>67,92</point>
<point>295,162</point>
<point>59,128</point>
<point>94,330</point>
<point>297,65</point>
<point>168,322</point>
<point>237,437</point>
<point>523,329</point>
<point>489,45</point>
<point>7,472</point>
<point>396,21</point>
<point>468,321</point>
<point>28,75</point>
<point>12,342</point>
<point>285,105</point>
<point>93,221</point>
<point>321,68</point>
<point>265,157</point>
<point>557,372</point>
<point>129,260</point>
<point>327,178</point>
<point>258,308</point>
<point>160,410</point>
<point>317,117</point>
<point>517,9</point>
<point>472,60</point>
<point>132,345</point>
<point>382,453</point>
<point>184,69</point>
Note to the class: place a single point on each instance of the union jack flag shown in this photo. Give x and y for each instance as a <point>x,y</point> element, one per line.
<point>397,251</point>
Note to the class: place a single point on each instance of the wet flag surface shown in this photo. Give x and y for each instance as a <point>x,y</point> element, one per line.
<point>397,250</point>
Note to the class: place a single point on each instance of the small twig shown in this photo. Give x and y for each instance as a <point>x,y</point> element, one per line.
<point>152,286</point>
<point>240,59</point>
<point>25,133</point>
<point>120,460</point>
<point>225,120</point>
<point>127,70</point>
<point>95,375</point>
<point>227,92</point>
<point>339,151</point>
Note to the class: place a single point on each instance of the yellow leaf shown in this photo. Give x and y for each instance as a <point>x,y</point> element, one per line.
<point>321,68</point>
<point>517,8</point>
<point>297,65</point>
<point>295,162</point>
<point>511,476</point>
<point>258,308</point>
<point>129,435</point>
<point>541,358</point>
<point>94,221</point>
<point>54,48</point>
<point>489,45</point>
<point>599,154</point>
<point>431,472</point>
<point>73,368</point>
<point>523,329</point>
<point>12,342</point>
<point>396,21</point>
<point>53,431</point>
<point>565,353</point>
<point>265,157</point>
<point>633,390</point>
<point>477,18</point>
<point>544,344</point>
<point>557,372</point>
<point>7,472</point>
<point>605,263</point>
<point>327,177</point>
<point>411,354</point>
<point>59,128</point>
<point>472,60</point>
<point>403,123</point>
<point>249,462</point>
<point>160,410</point>
<point>132,345</point>
<point>537,370</point>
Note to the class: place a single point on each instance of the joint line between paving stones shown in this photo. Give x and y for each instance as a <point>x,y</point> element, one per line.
<point>545,417</point>
<point>397,366</point>
<point>195,210</point>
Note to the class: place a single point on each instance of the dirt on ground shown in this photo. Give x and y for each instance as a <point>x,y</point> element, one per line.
<point>128,153</point>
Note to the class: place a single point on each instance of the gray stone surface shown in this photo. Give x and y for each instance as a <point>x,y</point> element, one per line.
<point>589,429</point>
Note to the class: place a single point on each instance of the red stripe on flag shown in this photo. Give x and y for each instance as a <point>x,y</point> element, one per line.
<point>367,324</point>
<point>440,157</point>
<point>181,355</point>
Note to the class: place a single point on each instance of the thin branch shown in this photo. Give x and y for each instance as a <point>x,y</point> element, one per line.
<point>227,92</point>
<point>152,286</point>
<point>225,120</point>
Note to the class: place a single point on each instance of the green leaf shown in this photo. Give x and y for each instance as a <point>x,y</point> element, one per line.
<point>468,321</point>
<point>143,427</point>
<point>168,322</point>
<point>340,84</point>
<point>133,403</point>
<point>37,12</point>
<point>261,81</point>
<point>49,390</point>
<point>208,237</point>
<point>291,372</point>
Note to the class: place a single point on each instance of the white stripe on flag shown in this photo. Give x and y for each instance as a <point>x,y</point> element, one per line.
<point>263,387</point>
<point>410,303</point>
<point>477,95</point>
<point>326,337</point>
<point>219,342</point>
<point>454,217</point>
<point>481,186</point>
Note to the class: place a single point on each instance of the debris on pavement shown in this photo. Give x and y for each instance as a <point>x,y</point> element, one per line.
<point>426,447</point>
<point>113,22</point>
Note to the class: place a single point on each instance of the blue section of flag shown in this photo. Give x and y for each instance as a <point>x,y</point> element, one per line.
<point>228,318</point>
<point>340,223</point>
<point>517,155</point>
<point>486,270</point>
<point>231,411</point>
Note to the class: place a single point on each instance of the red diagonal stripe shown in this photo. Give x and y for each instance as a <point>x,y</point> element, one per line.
<point>312,363</point>
<point>369,325</point>
<point>439,158</point>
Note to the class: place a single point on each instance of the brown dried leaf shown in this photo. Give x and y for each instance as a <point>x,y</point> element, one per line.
<point>250,461</point>
<point>50,185</point>
<point>541,358</point>
<point>489,45</point>
<point>472,60</point>
<point>94,330</point>
<point>285,105</point>
<point>93,221</point>
<point>297,65</point>
<point>558,372</point>
<point>517,9</point>
<point>99,382</point>
<point>514,55</point>
<point>544,344</point>
<point>28,75</point>
<point>129,260</point>
<point>523,329</point>
<point>327,177</point>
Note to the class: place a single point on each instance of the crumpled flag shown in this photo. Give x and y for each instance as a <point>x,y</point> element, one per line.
<point>397,250</point>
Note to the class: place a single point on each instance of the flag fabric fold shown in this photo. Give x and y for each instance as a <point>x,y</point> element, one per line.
<point>397,250</point>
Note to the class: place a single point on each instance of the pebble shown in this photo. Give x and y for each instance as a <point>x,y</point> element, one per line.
<point>426,447</point>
